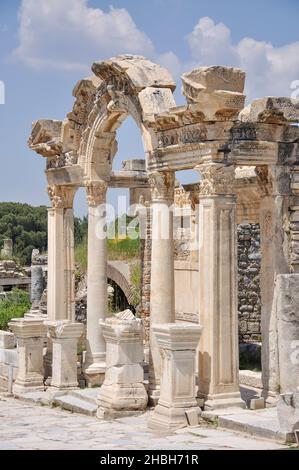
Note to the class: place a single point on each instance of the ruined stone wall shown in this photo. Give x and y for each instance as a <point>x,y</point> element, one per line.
<point>249,294</point>
<point>145,249</point>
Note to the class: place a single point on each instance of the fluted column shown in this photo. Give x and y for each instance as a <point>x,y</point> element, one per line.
<point>61,265</point>
<point>162,268</point>
<point>97,301</point>
<point>219,356</point>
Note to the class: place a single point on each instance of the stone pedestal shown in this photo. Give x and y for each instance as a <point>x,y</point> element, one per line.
<point>64,337</point>
<point>7,249</point>
<point>287,304</point>
<point>123,392</point>
<point>162,308</point>
<point>288,412</point>
<point>30,335</point>
<point>219,355</point>
<point>177,343</point>
<point>97,299</point>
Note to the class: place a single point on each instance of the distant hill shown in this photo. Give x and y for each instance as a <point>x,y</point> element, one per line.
<point>27,227</point>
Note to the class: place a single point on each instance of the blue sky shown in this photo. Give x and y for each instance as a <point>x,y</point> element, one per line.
<point>47,45</point>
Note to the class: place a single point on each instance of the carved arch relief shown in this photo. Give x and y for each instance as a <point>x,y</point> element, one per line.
<point>125,91</point>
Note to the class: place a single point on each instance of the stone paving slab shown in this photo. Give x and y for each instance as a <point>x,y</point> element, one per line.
<point>28,426</point>
<point>259,423</point>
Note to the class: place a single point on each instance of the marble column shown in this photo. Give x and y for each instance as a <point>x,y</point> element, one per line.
<point>162,308</point>
<point>97,300</point>
<point>61,266</point>
<point>219,352</point>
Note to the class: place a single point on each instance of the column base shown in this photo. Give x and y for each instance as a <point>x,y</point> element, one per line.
<point>271,398</point>
<point>153,394</point>
<point>118,400</point>
<point>223,401</point>
<point>36,313</point>
<point>19,389</point>
<point>54,392</point>
<point>104,414</point>
<point>170,419</point>
<point>95,374</point>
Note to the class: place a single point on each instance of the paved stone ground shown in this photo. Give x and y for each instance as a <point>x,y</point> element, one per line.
<point>29,426</point>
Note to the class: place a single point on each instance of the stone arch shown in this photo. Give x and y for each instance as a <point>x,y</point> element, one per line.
<point>119,272</point>
<point>125,86</point>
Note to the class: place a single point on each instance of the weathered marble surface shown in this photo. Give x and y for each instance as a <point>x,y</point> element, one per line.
<point>26,426</point>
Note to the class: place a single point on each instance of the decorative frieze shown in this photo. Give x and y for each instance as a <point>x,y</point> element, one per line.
<point>60,161</point>
<point>182,135</point>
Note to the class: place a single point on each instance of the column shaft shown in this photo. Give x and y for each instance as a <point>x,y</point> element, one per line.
<point>97,299</point>
<point>56,290</point>
<point>162,269</point>
<point>61,265</point>
<point>219,355</point>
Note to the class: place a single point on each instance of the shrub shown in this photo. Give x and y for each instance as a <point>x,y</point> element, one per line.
<point>136,283</point>
<point>16,305</point>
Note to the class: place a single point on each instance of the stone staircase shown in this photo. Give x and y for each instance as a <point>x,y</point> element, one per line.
<point>79,401</point>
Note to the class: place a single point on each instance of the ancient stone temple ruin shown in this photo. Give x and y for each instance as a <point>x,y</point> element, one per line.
<point>247,160</point>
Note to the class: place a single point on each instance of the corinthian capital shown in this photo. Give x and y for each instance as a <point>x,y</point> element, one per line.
<point>96,192</point>
<point>62,197</point>
<point>217,179</point>
<point>162,185</point>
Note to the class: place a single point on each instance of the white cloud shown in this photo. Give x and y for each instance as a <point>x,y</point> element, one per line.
<point>68,34</point>
<point>269,70</point>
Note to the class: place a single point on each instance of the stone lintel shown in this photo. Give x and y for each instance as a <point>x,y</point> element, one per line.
<point>68,175</point>
<point>128,179</point>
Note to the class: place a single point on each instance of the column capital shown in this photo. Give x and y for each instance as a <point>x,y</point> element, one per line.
<point>62,197</point>
<point>217,179</point>
<point>162,186</point>
<point>96,192</point>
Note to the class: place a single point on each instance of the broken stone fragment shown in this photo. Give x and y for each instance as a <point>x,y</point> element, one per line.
<point>288,412</point>
<point>217,90</point>
<point>125,315</point>
<point>272,110</point>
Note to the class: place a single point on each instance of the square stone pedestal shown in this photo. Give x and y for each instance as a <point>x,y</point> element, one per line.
<point>64,337</point>
<point>123,392</point>
<point>177,406</point>
<point>30,334</point>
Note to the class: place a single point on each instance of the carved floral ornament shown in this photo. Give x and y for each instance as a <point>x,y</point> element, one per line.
<point>62,197</point>
<point>96,192</point>
<point>162,185</point>
<point>216,179</point>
